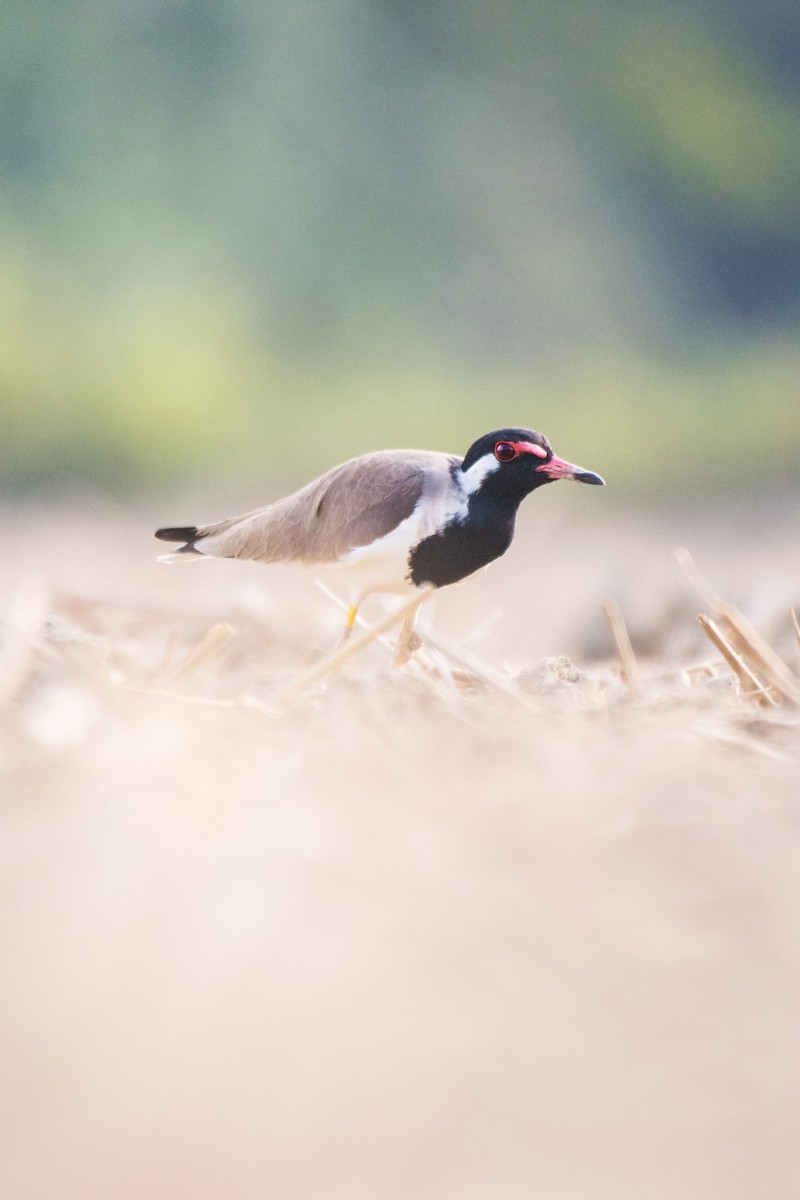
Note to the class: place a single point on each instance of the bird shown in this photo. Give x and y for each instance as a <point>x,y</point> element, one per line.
<point>392,520</point>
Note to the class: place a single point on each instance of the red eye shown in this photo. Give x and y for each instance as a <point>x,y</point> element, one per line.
<point>504,451</point>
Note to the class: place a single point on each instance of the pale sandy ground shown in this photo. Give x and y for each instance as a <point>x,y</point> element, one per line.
<point>398,942</point>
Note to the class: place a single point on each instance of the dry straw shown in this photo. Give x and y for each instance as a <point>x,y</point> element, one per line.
<point>629,668</point>
<point>750,655</point>
<point>106,644</point>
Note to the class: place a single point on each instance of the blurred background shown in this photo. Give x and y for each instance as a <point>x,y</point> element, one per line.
<point>256,238</point>
<point>403,940</point>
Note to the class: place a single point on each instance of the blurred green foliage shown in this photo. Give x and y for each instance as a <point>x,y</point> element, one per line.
<point>251,238</point>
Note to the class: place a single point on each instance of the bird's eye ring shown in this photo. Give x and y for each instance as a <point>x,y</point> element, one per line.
<point>505,451</point>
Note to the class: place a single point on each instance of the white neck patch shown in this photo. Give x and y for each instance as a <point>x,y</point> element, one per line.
<point>472,478</point>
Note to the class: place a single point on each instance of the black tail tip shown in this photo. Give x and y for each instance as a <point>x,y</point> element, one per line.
<point>183,533</point>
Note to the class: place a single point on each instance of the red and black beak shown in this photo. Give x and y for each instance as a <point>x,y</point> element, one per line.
<point>556,468</point>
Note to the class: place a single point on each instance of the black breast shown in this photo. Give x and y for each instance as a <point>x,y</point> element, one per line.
<point>463,547</point>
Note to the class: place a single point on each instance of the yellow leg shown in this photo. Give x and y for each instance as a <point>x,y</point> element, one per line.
<point>350,621</point>
<point>307,679</point>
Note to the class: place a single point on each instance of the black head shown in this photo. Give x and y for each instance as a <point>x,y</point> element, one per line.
<point>512,462</point>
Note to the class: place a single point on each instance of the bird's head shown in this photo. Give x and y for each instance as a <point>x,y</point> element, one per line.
<point>512,462</point>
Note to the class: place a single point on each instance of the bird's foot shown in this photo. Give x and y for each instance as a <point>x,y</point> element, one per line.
<point>408,640</point>
<point>406,649</point>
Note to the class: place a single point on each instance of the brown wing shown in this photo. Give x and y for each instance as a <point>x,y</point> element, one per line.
<point>351,505</point>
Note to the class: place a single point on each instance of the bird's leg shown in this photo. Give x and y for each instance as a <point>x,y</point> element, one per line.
<point>408,639</point>
<point>350,621</point>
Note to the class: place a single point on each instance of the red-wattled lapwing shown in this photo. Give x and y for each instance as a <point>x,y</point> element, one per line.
<point>395,519</point>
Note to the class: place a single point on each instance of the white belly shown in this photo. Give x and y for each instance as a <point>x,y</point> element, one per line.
<point>358,577</point>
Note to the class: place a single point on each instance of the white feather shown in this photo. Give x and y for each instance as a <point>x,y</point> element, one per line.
<point>472,478</point>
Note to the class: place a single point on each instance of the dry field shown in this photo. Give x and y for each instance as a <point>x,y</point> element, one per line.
<point>495,929</point>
